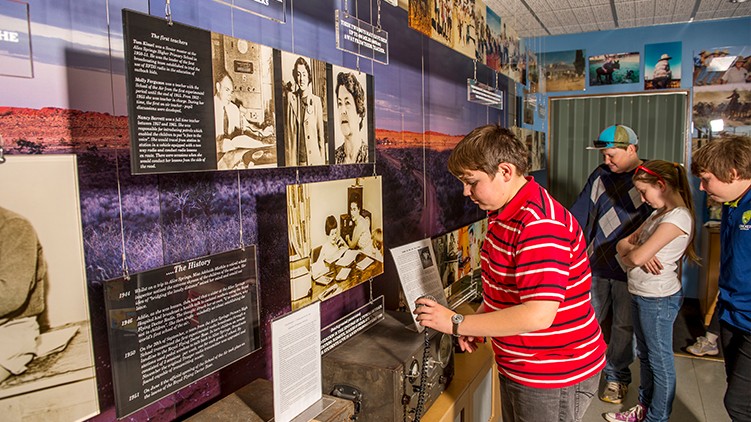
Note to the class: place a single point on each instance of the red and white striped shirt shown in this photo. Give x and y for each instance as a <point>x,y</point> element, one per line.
<point>535,250</point>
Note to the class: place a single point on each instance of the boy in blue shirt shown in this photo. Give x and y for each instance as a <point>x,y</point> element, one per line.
<point>724,169</point>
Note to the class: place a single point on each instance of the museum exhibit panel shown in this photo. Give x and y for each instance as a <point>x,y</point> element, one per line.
<point>232,206</point>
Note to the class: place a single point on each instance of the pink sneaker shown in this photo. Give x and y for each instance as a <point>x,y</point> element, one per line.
<point>635,414</point>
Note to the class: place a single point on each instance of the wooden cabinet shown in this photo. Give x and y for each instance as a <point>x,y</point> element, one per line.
<point>473,395</point>
<point>709,272</point>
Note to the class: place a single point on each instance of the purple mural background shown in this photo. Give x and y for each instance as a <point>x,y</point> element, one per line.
<point>76,104</point>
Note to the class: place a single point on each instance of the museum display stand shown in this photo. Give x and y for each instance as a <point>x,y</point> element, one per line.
<point>254,403</point>
<point>473,395</point>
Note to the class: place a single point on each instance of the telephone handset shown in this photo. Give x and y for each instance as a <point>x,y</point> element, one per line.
<point>423,369</point>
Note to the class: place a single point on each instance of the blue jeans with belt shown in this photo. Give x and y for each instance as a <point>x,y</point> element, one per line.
<point>607,294</point>
<point>653,326</point>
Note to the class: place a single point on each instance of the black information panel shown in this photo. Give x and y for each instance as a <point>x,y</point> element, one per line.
<point>170,95</point>
<point>174,325</point>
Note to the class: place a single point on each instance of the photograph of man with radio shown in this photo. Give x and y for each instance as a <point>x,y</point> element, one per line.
<point>536,280</point>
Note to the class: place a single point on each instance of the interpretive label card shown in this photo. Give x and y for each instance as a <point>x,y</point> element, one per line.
<point>271,9</point>
<point>296,357</point>
<point>171,326</point>
<point>361,38</point>
<point>418,273</point>
<point>15,39</point>
<point>170,95</point>
<point>353,323</point>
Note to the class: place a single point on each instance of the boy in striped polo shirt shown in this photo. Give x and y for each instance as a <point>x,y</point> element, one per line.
<point>536,281</point>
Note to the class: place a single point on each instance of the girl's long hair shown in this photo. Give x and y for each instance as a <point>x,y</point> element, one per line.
<point>673,175</point>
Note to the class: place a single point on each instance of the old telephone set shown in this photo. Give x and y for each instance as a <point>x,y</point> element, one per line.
<point>395,374</point>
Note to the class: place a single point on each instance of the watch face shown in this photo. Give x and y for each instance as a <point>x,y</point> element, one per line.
<point>457,318</point>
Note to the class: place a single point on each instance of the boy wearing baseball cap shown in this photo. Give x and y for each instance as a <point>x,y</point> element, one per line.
<point>609,208</point>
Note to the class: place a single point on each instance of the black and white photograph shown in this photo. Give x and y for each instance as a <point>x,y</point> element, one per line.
<point>352,128</point>
<point>304,92</point>
<point>46,355</point>
<point>426,258</point>
<point>243,103</point>
<point>535,142</point>
<point>335,237</point>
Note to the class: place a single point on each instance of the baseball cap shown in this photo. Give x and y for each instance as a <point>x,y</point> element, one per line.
<point>615,136</point>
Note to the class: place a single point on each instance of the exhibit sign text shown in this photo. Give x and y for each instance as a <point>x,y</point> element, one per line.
<point>171,326</point>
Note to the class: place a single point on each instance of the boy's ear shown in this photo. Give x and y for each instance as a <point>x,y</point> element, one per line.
<point>506,171</point>
<point>734,175</point>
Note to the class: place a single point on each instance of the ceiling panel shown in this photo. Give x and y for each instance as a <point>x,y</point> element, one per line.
<point>644,10</point>
<point>602,13</point>
<point>579,3</point>
<point>664,8</point>
<point>589,27</point>
<point>606,25</point>
<point>706,5</point>
<point>644,21</point>
<point>662,19</point>
<point>723,13</point>
<point>549,19</point>
<point>567,18</point>
<point>585,15</point>
<point>564,16</point>
<point>704,15</point>
<point>625,11</point>
<point>558,5</point>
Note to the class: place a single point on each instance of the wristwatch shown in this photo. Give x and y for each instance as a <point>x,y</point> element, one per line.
<point>456,319</point>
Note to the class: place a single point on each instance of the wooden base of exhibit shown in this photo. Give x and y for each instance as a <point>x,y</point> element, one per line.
<point>254,403</point>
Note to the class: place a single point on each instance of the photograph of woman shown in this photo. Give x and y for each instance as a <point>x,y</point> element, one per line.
<point>360,237</point>
<point>351,116</point>
<point>305,139</point>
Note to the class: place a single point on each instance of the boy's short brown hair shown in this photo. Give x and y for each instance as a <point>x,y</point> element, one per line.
<point>485,148</point>
<point>721,155</point>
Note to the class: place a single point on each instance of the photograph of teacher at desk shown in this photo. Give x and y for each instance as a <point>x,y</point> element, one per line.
<point>335,237</point>
<point>243,103</point>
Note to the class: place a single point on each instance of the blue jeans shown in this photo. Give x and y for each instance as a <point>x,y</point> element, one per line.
<point>736,347</point>
<point>653,326</point>
<point>520,403</point>
<point>609,293</point>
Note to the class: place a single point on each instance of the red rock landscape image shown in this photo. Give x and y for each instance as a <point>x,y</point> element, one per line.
<point>60,130</point>
<point>406,139</point>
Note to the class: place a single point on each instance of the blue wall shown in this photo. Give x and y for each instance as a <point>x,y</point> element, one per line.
<point>695,36</point>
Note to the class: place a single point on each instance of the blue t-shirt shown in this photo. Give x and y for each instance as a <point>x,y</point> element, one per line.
<point>608,209</point>
<point>735,264</point>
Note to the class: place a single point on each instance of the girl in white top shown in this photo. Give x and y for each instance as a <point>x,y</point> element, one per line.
<point>652,256</point>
